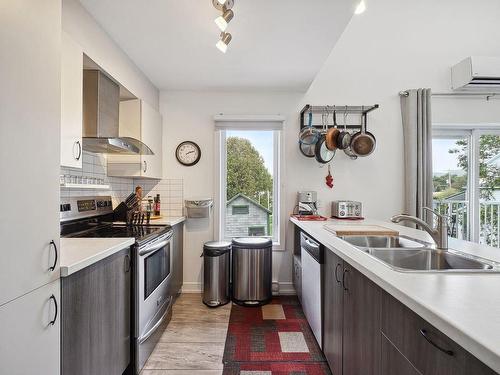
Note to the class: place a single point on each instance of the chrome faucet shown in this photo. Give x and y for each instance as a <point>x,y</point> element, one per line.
<point>438,234</point>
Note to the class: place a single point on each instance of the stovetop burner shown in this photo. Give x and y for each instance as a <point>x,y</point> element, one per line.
<point>118,230</point>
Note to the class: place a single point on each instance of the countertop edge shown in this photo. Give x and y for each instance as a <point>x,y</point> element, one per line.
<point>67,270</point>
<point>480,351</point>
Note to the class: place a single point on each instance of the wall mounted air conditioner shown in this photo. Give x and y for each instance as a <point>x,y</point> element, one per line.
<point>476,73</point>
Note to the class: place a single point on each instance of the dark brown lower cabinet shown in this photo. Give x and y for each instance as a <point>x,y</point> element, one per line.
<point>95,318</point>
<point>352,319</point>
<point>426,348</point>
<point>392,362</point>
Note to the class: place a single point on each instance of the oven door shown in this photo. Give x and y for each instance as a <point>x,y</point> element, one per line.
<point>153,302</point>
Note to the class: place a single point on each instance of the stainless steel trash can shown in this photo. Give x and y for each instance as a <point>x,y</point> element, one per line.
<point>216,263</point>
<point>252,270</point>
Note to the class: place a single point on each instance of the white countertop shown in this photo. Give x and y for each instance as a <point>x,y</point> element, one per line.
<point>173,220</point>
<point>78,253</point>
<point>465,306</point>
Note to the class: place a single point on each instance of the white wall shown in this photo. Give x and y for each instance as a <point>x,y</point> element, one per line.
<point>96,44</point>
<point>189,116</point>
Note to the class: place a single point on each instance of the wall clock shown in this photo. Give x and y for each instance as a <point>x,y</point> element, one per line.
<point>188,153</point>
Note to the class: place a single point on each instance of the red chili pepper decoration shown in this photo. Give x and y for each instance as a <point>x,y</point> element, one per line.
<point>329,178</point>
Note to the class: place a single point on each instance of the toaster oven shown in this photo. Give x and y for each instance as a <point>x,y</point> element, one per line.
<point>347,210</point>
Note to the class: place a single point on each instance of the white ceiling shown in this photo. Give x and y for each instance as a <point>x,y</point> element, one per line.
<point>277,44</point>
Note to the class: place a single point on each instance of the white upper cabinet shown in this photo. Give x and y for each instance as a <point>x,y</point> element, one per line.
<point>139,120</point>
<point>29,145</point>
<point>71,102</point>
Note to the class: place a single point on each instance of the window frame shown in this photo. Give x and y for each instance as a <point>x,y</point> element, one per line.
<point>473,133</point>
<point>278,168</point>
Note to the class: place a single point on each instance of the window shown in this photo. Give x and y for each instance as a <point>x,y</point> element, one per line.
<point>257,231</point>
<point>249,173</point>
<point>466,179</point>
<point>241,210</point>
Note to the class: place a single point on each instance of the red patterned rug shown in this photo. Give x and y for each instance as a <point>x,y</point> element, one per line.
<point>273,338</point>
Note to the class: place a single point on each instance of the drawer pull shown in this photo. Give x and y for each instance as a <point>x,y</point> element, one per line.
<point>53,321</point>
<point>423,332</point>
<point>53,267</point>
<point>344,279</point>
<point>337,272</point>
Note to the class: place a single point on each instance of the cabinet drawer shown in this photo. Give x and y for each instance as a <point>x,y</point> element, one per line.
<point>393,362</point>
<point>429,350</point>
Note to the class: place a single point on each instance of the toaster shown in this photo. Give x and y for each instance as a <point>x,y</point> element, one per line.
<point>347,209</point>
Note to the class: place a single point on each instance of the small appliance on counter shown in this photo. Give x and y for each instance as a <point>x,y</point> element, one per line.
<point>307,207</point>
<point>350,210</point>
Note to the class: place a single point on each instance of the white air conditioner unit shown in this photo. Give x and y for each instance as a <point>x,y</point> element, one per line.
<point>476,73</point>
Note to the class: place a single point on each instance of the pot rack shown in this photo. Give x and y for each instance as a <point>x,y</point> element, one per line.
<point>340,109</point>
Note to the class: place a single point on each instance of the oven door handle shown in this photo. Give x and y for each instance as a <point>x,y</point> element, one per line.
<point>154,328</point>
<point>153,248</point>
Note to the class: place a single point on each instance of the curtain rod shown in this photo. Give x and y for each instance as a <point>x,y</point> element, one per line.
<point>487,95</point>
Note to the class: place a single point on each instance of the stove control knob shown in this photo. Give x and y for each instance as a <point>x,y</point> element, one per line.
<point>342,213</point>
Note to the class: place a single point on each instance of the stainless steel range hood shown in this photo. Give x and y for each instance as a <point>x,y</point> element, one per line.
<point>101,126</point>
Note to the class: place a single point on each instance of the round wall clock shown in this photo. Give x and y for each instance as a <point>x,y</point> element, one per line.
<point>188,153</point>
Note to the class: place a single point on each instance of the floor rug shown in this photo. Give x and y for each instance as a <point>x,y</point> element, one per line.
<point>258,337</point>
<point>276,368</point>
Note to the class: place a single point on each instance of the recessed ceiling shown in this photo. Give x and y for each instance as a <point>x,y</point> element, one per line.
<point>277,44</point>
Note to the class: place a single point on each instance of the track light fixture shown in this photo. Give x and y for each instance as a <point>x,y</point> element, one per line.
<point>225,39</point>
<point>223,20</point>
<point>224,6</point>
<point>360,8</point>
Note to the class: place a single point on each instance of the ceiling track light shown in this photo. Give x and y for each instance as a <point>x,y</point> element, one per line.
<point>223,20</point>
<point>223,5</point>
<point>360,8</point>
<point>225,39</point>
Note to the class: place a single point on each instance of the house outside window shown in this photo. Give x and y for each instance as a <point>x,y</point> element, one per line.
<point>466,180</point>
<point>249,173</point>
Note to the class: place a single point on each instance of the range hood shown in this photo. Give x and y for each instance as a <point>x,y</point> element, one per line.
<point>101,126</point>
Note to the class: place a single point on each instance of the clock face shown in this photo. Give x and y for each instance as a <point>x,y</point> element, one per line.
<point>188,153</point>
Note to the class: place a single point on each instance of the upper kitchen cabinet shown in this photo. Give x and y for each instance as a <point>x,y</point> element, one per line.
<point>71,102</point>
<point>30,118</point>
<point>140,121</point>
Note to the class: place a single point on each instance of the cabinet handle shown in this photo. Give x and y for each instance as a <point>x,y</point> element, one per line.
<point>344,284</point>
<point>79,150</point>
<point>145,166</point>
<point>128,263</point>
<point>53,267</point>
<point>337,272</point>
<point>53,321</point>
<point>423,332</point>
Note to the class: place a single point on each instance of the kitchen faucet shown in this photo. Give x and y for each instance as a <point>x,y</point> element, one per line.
<point>438,234</point>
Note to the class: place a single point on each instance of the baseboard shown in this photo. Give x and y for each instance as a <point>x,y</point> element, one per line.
<point>279,288</point>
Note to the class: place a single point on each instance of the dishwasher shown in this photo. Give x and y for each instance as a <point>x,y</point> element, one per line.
<point>312,257</point>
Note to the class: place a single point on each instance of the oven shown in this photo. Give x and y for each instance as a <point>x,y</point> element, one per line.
<point>153,270</point>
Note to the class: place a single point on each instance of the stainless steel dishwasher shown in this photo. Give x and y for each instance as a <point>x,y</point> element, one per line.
<point>312,257</point>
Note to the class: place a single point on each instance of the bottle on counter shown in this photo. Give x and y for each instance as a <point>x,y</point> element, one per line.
<point>157,205</point>
<point>149,207</point>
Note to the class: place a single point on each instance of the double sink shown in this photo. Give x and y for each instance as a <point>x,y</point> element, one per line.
<point>408,255</point>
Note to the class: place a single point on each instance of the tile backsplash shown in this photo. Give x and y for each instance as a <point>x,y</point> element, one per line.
<point>95,165</point>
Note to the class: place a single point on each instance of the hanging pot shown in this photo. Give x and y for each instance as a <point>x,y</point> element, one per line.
<point>344,138</point>
<point>332,134</point>
<point>308,137</point>
<point>363,143</point>
<point>322,153</point>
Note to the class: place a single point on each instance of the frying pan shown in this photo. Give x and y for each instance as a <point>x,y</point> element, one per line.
<point>363,143</point>
<point>322,153</point>
<point>344,138</point>
<point>332,134</point>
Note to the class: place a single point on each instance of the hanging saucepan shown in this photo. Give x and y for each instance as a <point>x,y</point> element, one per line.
<point>332,134</point>
<point>344,138</point>
<point>363,143</point>
<point>322,153</point>
<point>308,137</point>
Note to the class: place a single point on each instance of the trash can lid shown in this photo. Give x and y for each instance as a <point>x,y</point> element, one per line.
<point>252,242</point>
<point>217,245</point>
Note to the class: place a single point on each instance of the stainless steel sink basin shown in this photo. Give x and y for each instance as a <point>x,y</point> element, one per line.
<point>408,255</point>
<point>428,260</point>
<point>384,242</point>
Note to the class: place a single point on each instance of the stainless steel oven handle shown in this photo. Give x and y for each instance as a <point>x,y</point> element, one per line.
<point>154,328</point>
<point>153,248</point>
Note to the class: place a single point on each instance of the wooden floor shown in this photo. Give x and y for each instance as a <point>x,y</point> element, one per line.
<point>193,342</point>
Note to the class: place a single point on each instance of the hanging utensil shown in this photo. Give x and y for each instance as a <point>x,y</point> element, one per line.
<point>332,134</point>
<point>308,137</point>
<point>329,178</point>
<point>344,138</point>
<point>363,142</point>
<point>322,153</point>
